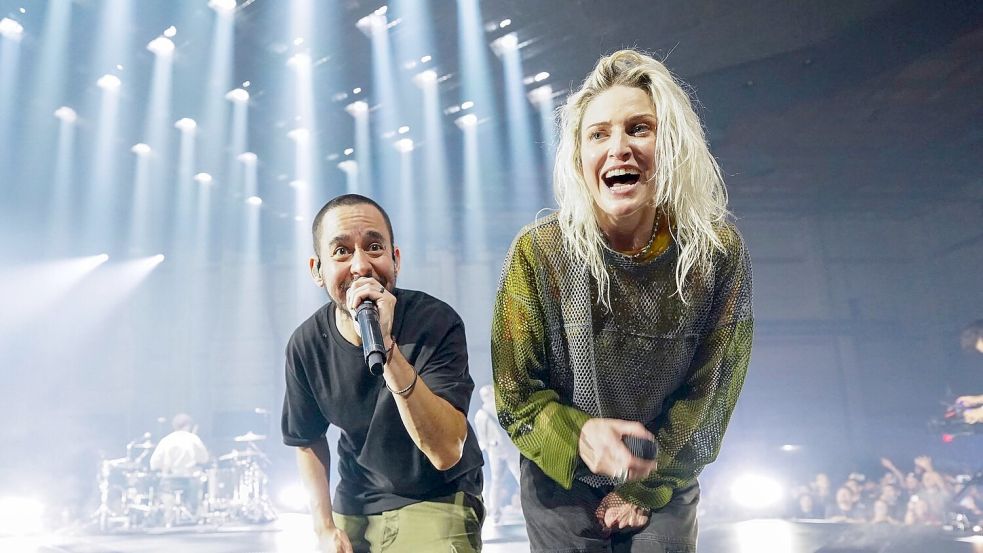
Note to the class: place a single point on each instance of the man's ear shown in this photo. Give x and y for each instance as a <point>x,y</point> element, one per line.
<point>314,264</point>
<point>396,260</point>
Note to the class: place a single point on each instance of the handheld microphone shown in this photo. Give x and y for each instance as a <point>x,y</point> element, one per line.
<point>641,448</point>
<point>367,315</point>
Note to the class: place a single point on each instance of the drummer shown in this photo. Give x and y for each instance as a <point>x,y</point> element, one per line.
<point>180,452</point>
<point>177,457</point>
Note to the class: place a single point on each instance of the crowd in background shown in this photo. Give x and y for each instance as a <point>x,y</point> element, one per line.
<point>922,496</point>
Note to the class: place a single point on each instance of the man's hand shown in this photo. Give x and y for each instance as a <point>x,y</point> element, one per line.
<point>616,514</point>
<point>605,454</point>
<point>368,288</point>
<point>334,540</point>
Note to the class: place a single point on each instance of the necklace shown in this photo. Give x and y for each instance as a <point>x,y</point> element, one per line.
<point>655,230</point>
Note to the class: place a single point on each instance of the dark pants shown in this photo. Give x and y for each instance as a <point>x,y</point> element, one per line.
<point>563,521</point>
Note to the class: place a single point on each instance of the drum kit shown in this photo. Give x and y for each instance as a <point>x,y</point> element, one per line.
<point>231,489</point>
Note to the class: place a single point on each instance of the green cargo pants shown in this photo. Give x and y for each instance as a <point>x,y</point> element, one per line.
<point>446,524</point>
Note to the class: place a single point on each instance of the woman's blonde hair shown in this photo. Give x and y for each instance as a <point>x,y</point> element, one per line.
<point>690,187</point>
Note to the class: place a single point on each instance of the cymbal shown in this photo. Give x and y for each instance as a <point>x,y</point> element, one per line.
<point>249,437</point>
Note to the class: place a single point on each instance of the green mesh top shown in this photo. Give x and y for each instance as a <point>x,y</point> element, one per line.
<point>559,357</point>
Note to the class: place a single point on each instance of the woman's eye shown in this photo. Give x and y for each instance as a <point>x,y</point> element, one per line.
<point>596,135</point>
<point>640,128</point>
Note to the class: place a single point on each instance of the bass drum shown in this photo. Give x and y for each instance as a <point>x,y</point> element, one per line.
<point>223,485</point>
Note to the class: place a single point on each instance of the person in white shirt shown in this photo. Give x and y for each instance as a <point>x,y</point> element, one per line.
<point>178,457</point>
<point>180,452</point>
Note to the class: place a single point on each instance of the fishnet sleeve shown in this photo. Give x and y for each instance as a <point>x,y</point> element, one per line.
<point>692,429</point>
<point>545,431</point>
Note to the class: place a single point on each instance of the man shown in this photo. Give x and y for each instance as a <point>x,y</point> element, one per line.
<point>409,461</point>
<point>178,456</point>
<point>180,452</point>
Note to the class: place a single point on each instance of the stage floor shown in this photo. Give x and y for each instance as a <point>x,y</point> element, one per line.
<point>292,533</point>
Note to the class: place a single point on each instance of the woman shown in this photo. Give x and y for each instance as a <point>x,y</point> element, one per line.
<point>625,313</point>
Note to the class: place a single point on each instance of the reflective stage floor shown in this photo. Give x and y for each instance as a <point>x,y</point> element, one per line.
<point>292,533</point>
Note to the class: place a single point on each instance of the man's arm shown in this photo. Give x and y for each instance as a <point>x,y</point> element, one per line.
<point>437,428</point>
<point>314,462</point>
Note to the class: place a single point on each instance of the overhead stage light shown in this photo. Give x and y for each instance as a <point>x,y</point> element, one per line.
<point>357,108</point>
<point>170,31</point>
<point>140,149</point>
<point>237,95</point>
<point>466,121</point>
<point>248,158</point>
<point>185,124</point>
<point>66,114</point>
<point>11,29</point>
<point>425,77</point>
<point>505,43</point>
<point>203,178</point>
<point>254,200</point>
<point>404,145</point>
<point>161,46</point>
<point>109,82</point>
<point>222,6</point>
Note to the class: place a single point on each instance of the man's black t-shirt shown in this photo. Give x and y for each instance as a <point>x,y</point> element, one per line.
<point>328,383</point>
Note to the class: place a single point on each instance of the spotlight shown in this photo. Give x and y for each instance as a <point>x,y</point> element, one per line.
<point>424,78</point>
<point>298,183</point>
<point>425,59</point>
<point>237,95</point>
<point>222,6</point>
<point>349,151</point>
<point>170,31</point>
<point>157,259</point>
<point>541,95</point>
<point>790,448</point>
<point>203,178</point>
<point>140,149</point>
<point>541,76</point>
<point>349,166</point>
<point>357,108</point>
<point>248,158</point>
<point>109,82</point>
<point>20,516</point>
<point>467,121</point>
<point>254,200</point>
<point>403,130</point>
<point>467,104</point>
<point>754,491</point>
<point>66,114</point>
<point>101,258</point>
<point>382,10</point>
<point>404,145</point>
<point>185,125</point>
<point>505,23</point>
<point>11,29</point>
<point>298,41</point>
<point>505,43</point>
<point>161,46</point>
<point>299,134</point>
<point>299,60</point>
<point>357,90</point>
